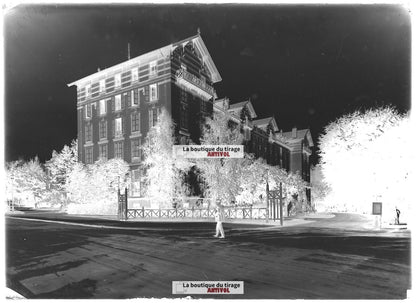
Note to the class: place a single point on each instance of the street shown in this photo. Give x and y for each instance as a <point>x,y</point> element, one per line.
<point>324,258</point>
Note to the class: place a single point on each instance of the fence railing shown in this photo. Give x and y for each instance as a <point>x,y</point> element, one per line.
<point>199,213</point>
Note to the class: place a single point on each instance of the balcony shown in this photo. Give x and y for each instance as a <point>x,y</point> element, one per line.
<point>194,84</point>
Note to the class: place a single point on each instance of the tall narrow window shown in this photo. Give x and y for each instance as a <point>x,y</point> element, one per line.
<point>88,111</point>
<point>103,129</point>
<point>88,132</point>
<point>135,149</point>
<point>153,92</point>
<point>102,86</point>
<point>103,107</point>
<point>118,149</point>
<point>117,79</point>
<point>118,127</point>
<point>88,155</point>
<point>103,151</point>
<point>88,90</point>
<point>152,68</point>
<point>117,103</point>
<point>135,74</point>
<point>135,97</point>
<point>135,122</point>
<point>153,117</point>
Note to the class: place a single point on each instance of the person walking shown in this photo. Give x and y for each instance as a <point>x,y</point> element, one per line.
<point>397,216</point>
<point>219,215</point>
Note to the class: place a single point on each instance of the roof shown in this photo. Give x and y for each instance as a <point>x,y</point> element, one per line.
<point>266,121</point>
<point>164,51</point>
<point>300,135</point>
<point>240,105</point>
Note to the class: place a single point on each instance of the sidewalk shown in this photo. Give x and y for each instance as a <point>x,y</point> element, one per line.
<point>108,220</point>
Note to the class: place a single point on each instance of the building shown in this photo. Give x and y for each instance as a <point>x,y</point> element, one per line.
<point>117,106</point>
<point>264,139</point>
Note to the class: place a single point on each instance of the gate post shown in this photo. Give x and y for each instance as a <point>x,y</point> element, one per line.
<point>267,202</point>
<point>281,204</point>
<point>125,204</point>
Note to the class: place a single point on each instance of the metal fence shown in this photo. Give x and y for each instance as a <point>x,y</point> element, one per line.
<point>198,213</point>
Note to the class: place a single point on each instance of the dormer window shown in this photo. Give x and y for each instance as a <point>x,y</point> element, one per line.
<point>117,80</point>
<point>153,68</point>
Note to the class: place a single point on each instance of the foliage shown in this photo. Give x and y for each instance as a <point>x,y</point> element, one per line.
<point>61,165</point>
<point>93,188</point>
<point>164,172</point>
<point>365,157</point>
<point>319,188</point>
<point>221,176</point>
<point>26,181</point>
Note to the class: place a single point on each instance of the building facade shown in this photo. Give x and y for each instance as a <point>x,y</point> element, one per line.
<point>117,106</point>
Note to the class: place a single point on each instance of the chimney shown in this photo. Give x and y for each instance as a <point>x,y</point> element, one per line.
<point>294,132</point>
<point>128,51</point>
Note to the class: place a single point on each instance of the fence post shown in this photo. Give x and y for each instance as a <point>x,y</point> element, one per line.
<point>142,211</point>
<point>281,204</point>
<point>125,204</point>
<point>192,212</point>
<point>251,211</point>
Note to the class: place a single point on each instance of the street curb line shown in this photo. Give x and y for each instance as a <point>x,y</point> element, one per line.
<point>118,227</point>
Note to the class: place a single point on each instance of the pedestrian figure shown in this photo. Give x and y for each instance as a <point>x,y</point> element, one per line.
<point>397,216</point>
<point>219,217</point>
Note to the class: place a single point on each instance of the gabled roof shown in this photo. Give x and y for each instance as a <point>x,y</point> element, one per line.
<point>300,135</point>
<point>262,123</point>
<point>163,51</point>
<point>237,107</point>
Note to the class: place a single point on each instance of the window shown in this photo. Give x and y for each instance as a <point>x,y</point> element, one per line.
<point>103,151</point>
<point>183,66</point>
<point>125,98</point>
<point>103,129</point>
<point>152,68</point>
<point>88,132</point>
<point>88,155</point>
<point>103,107</point>
<point>135,74</point>
<point>88,90</point>
<point>118,150</point>
<point>102,86</point>
<point>152,117</point>
<point>153,92</point>
<point>135,149</point>
<point>88,111</point>
<point>135,97</point>
<point>184,116</point>
<point>135,183</point>
<point>117,79</point>
<point>118,103</point>
<point>118,127</point>
<point>135,122</point>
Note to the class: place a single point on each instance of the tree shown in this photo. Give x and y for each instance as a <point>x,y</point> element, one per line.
<point>61,165</point>
<point>93,188</point>
<point>221,176</point>
<point>164,173</point>
<point>26,181</point>
<point>365,157</point>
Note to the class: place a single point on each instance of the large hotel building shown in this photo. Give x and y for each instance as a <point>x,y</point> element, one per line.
<point>117,106</point>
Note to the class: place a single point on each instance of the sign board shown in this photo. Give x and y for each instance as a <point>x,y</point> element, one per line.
<point>377,208</point>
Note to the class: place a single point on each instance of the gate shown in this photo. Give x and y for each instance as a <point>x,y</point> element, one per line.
<point>122,205</point>
<point>273,199</point>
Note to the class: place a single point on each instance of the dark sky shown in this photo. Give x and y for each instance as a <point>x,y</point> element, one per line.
<point>307,65</point>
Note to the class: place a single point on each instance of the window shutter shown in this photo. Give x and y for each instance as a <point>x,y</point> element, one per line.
<point>146,94</point>
<point>113,105</point>
<point>113,126</point>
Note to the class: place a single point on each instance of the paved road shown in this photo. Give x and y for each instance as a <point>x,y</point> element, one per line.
<point>309,261</point>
